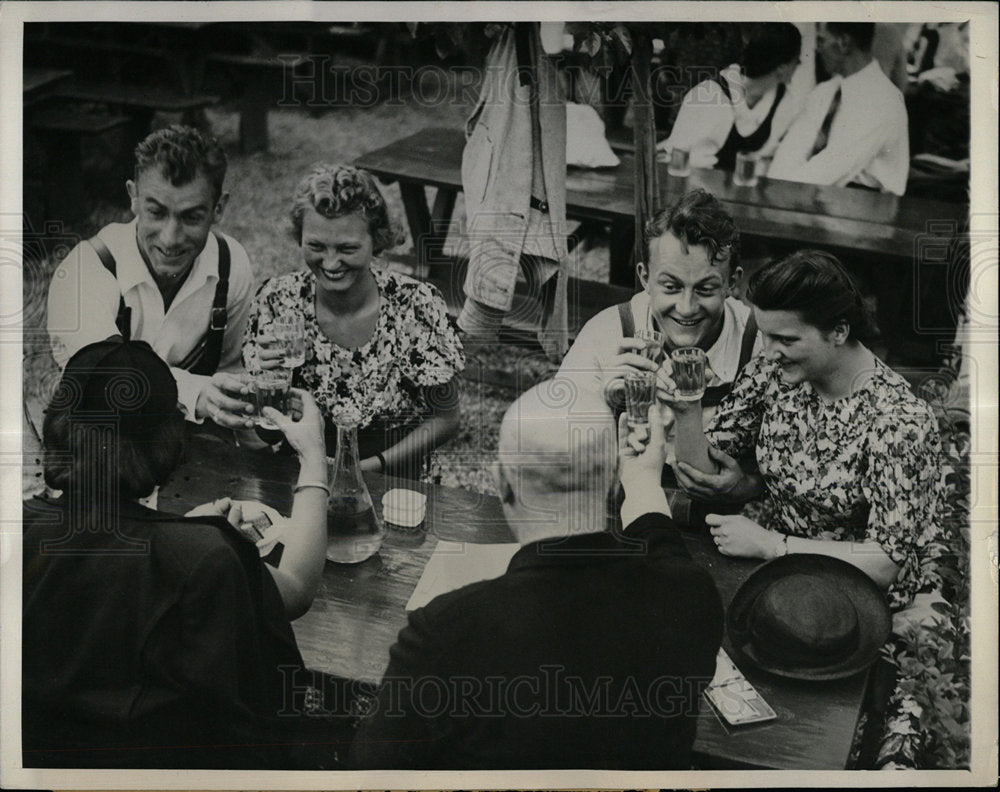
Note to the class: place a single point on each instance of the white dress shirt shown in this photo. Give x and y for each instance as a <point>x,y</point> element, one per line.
<point>588,364</point>
<point>707,115</point>
<point>868,141</point>
<point>83,304</point>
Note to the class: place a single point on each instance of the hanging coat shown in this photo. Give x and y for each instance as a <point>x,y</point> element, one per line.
<point>504,220</point>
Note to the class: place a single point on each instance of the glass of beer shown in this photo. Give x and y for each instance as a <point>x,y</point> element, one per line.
<point>290,332</point>
<point>654,343</point>
<point>745,173</point>
<point>270,389</point>
<point>680,162</point>
<point>640,387</point>
<point>688,364</point>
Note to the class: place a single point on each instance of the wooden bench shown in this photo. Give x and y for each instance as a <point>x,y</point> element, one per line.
<point>140,102</point>
<point>38,84</point>
<point>136,52</point>
<point>61,131</point>
<point>74,42</point>
<point>136,96</point>
<point>137,67</point>
<point>586,298</point>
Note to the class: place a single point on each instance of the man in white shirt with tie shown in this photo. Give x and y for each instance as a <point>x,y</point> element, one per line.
<point>166,278</point>
<point>853,130</point>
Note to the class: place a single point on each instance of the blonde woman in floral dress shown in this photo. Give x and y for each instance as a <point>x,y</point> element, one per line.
<point>846,457</point>
<point>381,351</point>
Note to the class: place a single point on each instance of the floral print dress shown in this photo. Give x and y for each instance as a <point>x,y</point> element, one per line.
<point>414,347</point>
<point>862,468</point>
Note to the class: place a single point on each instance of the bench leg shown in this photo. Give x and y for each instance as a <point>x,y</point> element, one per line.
<point>253,112</point>
<point>64,193</point>
<point>622,272</point>
<point>139,124</point>
<point>418,217</point>
<point>444,205</point>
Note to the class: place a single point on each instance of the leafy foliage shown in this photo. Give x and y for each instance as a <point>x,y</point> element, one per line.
<point>470,40</point>
<point>605,43</point>
<point>928,725</point>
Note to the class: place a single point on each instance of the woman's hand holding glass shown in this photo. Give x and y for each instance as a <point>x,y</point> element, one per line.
<point>304,432</point>
<point>270,352</point>
<point>281,344</point>
<point>301,567</point>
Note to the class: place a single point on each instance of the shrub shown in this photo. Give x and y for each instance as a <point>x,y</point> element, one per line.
<point>928,724</point>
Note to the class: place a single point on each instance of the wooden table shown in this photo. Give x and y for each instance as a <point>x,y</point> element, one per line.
<point>801,214</point>
<point>360,608</point>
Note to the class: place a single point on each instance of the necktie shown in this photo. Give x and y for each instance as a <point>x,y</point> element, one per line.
<point>823,137</point>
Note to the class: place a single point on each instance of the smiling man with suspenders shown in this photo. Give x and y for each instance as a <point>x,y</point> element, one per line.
<point>166,278</point>
<point>687,294</point>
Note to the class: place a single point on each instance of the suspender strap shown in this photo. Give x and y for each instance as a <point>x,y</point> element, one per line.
<point>724,85</point>
<point>749,338</point>
<point>627,320</point>
<point>204,358</point>
<point>124,318</point>
<point>716,393</point>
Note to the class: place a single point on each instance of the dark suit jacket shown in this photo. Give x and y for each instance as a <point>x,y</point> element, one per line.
<point>590,652</point>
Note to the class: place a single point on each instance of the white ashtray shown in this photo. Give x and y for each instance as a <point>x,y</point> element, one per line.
<point>403,507</point>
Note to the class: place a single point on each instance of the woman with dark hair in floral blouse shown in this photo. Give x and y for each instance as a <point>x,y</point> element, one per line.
<point>381,351</point>
<point>848,457</point>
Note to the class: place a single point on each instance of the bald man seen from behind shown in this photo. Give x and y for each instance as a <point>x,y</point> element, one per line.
<point>591,651</point>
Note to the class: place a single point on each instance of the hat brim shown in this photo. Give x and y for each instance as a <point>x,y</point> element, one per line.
<point>874,619</point>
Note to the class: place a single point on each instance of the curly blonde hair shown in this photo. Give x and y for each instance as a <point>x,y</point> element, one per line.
<point>338,190</point>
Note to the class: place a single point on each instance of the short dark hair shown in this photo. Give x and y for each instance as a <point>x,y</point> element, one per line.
<point>698,218</point>
<point>861,33</point>
<point>113,422</point>
<point>770,45</point>
<point>817,287</point>
<point>338,190</point>
<point>72,458</point>
<point>181,153</point>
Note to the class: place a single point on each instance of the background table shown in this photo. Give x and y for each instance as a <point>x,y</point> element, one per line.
<point>360,608</point>
<point>801,214</point>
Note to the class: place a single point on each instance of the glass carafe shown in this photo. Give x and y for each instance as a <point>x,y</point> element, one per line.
<point>353,529</point>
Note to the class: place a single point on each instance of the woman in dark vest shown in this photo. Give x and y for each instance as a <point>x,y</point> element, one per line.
<point>744,107</point>
<point>150,639</point>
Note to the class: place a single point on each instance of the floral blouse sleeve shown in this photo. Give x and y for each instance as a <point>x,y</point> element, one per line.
<point>736,424</point>
<point>262,313</point>
<point>435,353</point>
<point>902,488</point>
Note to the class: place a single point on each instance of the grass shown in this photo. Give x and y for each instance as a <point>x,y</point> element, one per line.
<point>261,187</point>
